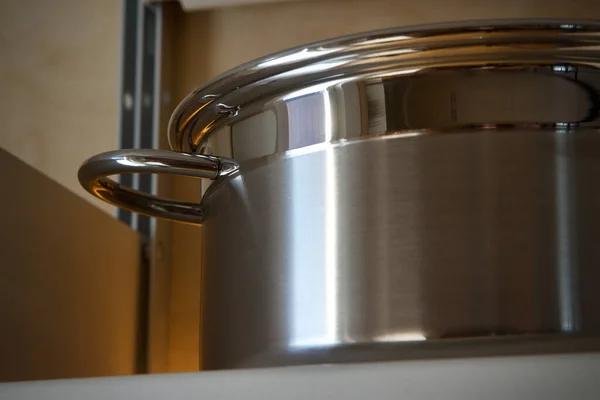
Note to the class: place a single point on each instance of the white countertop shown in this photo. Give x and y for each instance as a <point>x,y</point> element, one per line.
<point>548,377</point>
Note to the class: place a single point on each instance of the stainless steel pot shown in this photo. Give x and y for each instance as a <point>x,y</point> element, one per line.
<point>414,192</point>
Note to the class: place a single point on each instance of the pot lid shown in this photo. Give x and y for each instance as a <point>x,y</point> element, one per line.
<point>244,90</point>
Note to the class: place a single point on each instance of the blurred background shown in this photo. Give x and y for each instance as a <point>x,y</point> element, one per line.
<point>89,291</point>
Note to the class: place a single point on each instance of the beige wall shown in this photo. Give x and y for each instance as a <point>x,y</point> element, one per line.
<point>59,74</point>
<point>223,38</point>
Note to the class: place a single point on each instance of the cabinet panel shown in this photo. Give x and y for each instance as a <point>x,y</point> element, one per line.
<point>70,283</point>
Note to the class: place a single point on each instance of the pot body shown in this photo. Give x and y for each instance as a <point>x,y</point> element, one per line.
<point>413,192</point>
<point>406,246</point>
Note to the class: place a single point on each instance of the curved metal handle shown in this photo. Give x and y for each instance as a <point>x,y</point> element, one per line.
<point>93,176</point>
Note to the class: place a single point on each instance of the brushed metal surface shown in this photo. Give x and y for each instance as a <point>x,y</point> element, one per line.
<point>408,193</point>
<point>352,251</point>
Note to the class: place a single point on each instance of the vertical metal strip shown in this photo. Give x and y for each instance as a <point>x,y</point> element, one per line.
<point>137,109</point>
<point>146,127</point>
<point>139,129</point>
<point>147,136</point>
<point>128,68</point>
<point>566,239</point>
<point>139,95</point>
<point>156,97</point>
<point>159,282</point>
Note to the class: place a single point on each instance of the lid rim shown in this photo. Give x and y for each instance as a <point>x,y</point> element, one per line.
<point>205,108</point>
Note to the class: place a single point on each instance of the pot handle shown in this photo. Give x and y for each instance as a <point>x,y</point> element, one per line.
<point>93,176</point>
